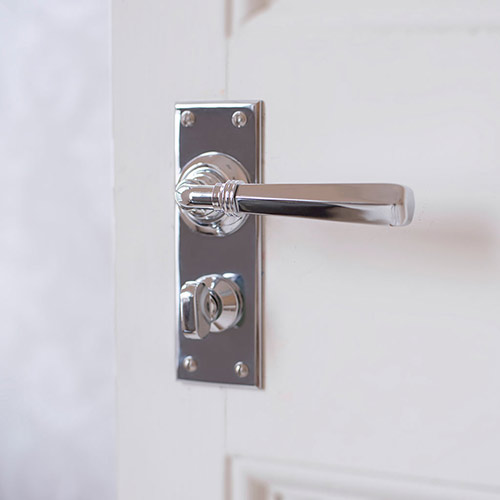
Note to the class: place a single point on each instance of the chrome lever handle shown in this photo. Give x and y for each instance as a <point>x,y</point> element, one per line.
<point>385,204</point>
<point>215,197</point>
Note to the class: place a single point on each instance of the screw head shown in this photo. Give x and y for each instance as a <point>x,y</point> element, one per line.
<point>189,364</point>
<point>241,369</point>
<point>187,118</point>
<point>239,119</point>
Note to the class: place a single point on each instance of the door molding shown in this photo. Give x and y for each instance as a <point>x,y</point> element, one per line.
<point>254,479</point>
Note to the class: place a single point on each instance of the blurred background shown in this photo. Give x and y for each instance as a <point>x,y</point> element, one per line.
<point>56,342</point>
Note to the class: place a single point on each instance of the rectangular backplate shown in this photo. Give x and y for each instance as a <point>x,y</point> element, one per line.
<point>240,253</point>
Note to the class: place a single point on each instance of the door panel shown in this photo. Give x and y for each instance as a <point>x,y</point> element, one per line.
<point>381,344</point>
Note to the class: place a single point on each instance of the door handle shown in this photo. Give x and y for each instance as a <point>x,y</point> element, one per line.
<point>218,165</point>
<point>212,190</point>
<point>384,204</point>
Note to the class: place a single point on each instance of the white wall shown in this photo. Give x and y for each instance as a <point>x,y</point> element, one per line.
<point>56,340</point>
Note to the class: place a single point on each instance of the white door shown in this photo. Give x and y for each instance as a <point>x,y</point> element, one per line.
<point>381,345</point>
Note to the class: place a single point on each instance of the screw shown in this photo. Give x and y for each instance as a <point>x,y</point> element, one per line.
<point>241,369</point>
<point>239,119</point>
<point>187,118</point>
<point>190,364</point>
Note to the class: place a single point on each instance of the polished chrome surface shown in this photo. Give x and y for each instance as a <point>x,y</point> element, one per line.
<point>189,364</point>
<point>383,204</point>
<point>211,169</point>
<point>201,253</point>
<point>226,305</point>
<point>195,310</point>
<point>241,369</point>
<point>187,118</point>
<point>212,303</point>
<point>239,119</point>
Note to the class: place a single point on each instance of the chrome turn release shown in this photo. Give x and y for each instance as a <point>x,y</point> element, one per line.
<point>212,303</point>
<point>215,197</point>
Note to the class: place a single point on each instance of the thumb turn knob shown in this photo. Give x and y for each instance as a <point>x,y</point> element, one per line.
<point>212,303</point>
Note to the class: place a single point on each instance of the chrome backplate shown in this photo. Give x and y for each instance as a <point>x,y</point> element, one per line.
<point>238,252</point>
